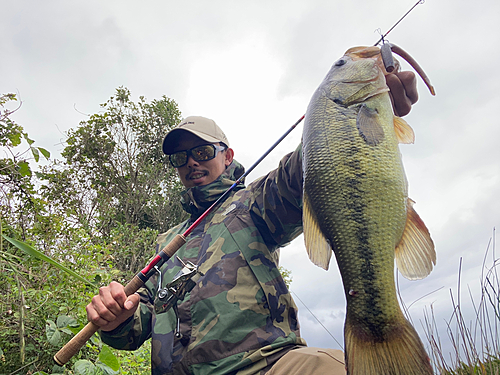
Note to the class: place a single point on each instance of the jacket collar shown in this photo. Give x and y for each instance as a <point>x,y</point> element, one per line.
<point>197,199</point>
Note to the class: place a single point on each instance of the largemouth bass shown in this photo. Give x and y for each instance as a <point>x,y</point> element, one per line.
<point>356,204</point>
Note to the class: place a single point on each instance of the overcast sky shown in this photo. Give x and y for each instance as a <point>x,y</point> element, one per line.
<point>252,67</point>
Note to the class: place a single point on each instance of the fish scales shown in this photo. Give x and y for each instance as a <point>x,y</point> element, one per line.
<point>355,197</point>
<point>364,186</point>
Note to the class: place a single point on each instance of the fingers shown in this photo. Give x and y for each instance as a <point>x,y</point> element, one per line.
<point>132,302</point>
<point>111,306</point>
<point>409,81</point>
<point>403,91</point>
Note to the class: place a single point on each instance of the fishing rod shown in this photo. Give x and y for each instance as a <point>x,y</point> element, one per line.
<point>387,49</point>
<point>392,28</point>
<point>223,196</point>
<point>75,344</point>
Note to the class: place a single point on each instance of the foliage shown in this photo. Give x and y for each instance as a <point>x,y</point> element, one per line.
<point>118,155</point>
<point>115,183</point>
<point>287,275</point>
<point>16,187</point>
<point>94,213</point>
<point>18,207</point>
<point>35,253</point>
<point>78,223</point>
<point>489,367</point>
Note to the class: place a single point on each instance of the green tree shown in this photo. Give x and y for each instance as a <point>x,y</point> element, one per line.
<point>115,182</point>
<point>19,207</point>
<point>16,185</point>
<point>119,154</point>
<point>96,212</point>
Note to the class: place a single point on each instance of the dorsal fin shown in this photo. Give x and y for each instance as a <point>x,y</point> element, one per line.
<point>404,132</point>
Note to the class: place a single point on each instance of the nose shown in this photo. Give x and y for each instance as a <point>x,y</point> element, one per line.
<point>191,162</point>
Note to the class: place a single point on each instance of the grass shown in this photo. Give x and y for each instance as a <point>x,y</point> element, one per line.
<point>475,343</point>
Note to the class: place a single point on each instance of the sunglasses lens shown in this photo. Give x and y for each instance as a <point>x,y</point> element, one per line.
<point>200,153</point>
<point>178,159</point>
<point>203,153</point>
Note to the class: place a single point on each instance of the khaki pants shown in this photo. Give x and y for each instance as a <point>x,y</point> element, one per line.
<point>306,361</point>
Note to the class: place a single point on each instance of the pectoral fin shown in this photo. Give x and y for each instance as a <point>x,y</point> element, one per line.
<point>404,132</point>
<point>317,246</point>
<point>369,127</point>
<point>415,254</point>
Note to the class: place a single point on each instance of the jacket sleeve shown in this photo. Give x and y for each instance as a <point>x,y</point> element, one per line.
<point>132,333</point>
<point>277,201</point>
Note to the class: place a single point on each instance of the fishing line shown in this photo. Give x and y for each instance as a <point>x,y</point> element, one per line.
<point>383,36</point>
<point>319,321</point>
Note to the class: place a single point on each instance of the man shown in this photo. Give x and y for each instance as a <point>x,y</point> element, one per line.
<point>239,318</point>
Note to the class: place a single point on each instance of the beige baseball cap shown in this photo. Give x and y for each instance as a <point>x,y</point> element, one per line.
<point>202,127</point>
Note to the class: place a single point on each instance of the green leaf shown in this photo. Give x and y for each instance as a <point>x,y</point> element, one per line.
<point>76,329</point>
<point>15,138</point>
<point>106,369</point>
<point>35,153</point>
<point>44,152</point>
<point>57,370</point>
<point>64,321</point>
<point>24,168</point>
<point>35,253</point>
<point>107,357</point>
<point>96,340</point>
<point>53,334</point>
<point>66,330</point>
<point>84,367</point>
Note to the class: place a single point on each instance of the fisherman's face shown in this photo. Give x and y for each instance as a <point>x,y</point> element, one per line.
<point>198,173</point>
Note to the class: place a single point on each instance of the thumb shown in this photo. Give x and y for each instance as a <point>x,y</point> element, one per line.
<point>132,302</point>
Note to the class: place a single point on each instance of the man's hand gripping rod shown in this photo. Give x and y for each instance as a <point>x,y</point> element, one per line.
<point>75,344</point>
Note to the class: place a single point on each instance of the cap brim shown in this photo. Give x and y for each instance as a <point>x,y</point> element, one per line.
<point>170,140</point>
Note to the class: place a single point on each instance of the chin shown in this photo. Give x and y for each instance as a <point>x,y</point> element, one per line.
<point>200,183</point>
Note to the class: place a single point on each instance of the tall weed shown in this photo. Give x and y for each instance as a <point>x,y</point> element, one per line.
<point>475,343</point>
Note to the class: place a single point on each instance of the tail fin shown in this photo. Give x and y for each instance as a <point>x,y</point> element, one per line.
<point>400,353</point>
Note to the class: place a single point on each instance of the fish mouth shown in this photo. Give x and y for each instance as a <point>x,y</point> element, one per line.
<point>354,99</point>
<point>379,91</point>
<point>357,53</point>
<point>358,80</point>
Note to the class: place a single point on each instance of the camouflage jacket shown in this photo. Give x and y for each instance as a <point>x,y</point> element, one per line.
<point>240,317</point>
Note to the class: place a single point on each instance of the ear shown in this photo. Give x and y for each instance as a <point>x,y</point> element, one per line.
<point>229,156</point>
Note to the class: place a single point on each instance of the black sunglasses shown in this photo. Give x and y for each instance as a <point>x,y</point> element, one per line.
<point>198,153</point>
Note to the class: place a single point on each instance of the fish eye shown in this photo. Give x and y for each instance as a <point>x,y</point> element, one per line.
<point>340,62</point>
